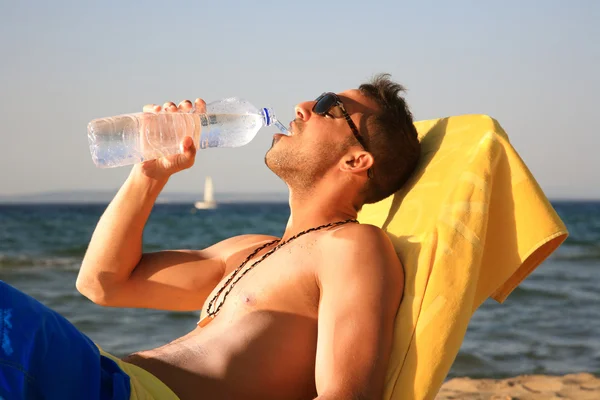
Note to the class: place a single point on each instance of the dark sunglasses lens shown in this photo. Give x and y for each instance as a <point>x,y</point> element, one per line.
<point>324,104</point>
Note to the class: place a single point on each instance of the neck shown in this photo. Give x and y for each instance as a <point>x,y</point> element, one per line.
<point>321,205</point>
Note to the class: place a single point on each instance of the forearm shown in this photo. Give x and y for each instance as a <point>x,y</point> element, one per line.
<point>116,245</point>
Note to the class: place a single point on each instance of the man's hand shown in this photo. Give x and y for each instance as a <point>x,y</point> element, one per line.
<point>162,168</point>
<point>114,272</point>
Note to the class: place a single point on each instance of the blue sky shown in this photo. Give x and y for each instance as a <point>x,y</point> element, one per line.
<point>533,65</point>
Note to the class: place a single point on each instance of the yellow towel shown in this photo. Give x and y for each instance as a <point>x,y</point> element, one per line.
<point>144,385</point>
<point>472,223</point>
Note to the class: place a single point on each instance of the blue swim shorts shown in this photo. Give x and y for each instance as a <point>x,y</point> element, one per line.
<point>43,356</point>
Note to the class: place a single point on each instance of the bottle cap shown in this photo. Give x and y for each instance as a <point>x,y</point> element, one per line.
<point>270,119</point>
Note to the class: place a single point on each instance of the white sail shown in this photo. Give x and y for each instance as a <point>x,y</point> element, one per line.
<point>208,190</point>
<point>209,200</point>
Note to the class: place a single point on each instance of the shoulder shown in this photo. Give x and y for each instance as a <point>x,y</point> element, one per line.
<point>230,246</point>
<point>358,239</point>
<point>359,250</point>
<point>362,231</point>
<point>246,240</point>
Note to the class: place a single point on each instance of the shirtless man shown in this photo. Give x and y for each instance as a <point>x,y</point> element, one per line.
<point>312,319</point>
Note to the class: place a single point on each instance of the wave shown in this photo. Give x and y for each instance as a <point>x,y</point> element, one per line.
<point>578,254</point>
<point>580,242</point>
<point>24,261</point>
<point>524,291</point>
<point>78,251</point>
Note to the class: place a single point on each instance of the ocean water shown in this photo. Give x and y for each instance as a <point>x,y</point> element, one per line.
<point>550,324</point>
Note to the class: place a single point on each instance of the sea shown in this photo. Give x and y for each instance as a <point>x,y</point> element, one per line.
<point>549,325</point>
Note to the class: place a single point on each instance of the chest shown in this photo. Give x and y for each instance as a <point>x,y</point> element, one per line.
<point>283,281</point>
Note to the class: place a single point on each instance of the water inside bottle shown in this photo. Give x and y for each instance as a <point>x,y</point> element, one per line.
<point>109,144</point>
<point>133,138</point>
<point>229,130</point>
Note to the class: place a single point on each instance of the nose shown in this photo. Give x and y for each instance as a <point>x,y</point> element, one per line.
<point>303,110</point>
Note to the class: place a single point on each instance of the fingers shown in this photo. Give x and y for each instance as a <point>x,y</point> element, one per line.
<point>187,157</point>
<point>169,106</point>
<point>152,108</point>
<point>199,106</point>
<point>185,106</point>
<point>187,145</point>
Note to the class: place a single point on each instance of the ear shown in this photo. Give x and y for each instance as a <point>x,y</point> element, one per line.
<point>357,162</point>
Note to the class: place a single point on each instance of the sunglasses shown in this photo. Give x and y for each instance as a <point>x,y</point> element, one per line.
<point>323,105</point>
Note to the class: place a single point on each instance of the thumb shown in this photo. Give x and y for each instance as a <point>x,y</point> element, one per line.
<point>188,153</point>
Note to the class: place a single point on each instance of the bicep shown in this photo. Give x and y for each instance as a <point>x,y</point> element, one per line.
<point>176,279</point>
<point>356,313</point>
<point>171,280</point>
<point>351,340</point>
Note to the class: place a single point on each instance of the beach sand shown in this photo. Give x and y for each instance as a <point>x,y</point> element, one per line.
<point>581,386</point>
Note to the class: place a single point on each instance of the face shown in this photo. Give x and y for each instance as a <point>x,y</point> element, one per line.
<point>318,140</point>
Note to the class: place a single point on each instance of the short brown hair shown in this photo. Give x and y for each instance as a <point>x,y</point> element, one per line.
<point>391,138</point>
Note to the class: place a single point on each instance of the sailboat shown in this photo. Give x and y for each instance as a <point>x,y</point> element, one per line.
<point>209,201</point>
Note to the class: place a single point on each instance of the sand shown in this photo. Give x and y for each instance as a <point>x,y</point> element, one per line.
<point>581,386</point>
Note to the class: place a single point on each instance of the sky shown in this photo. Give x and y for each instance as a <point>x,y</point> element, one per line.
<point>532,65</point>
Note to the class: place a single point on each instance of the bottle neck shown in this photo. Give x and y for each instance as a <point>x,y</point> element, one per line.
<point>270,119</point>
<point>268,116</point>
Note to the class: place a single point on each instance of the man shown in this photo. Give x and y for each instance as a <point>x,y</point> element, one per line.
<point>308,315</point>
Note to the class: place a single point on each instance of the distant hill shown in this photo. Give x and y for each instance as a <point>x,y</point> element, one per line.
<point>106,196</point>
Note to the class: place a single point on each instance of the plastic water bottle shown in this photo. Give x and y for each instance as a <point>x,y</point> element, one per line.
<point>133,138</point>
